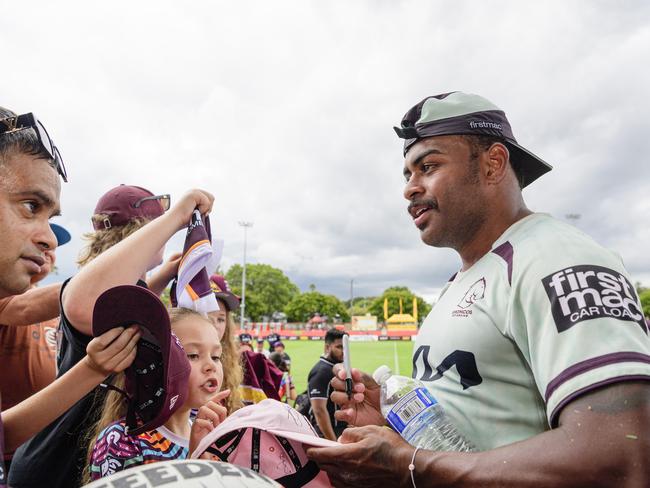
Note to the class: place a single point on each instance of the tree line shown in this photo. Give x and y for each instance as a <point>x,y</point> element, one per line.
<point>271,295</point>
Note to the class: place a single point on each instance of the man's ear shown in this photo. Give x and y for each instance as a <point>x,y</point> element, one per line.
<point>496,164</point>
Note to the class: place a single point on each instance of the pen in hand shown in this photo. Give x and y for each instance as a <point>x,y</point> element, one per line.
<point>347,366</point>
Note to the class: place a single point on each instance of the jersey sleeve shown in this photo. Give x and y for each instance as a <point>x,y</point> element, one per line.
<point>114,451</point>
<point>577,319</point>
<point>318,384</point>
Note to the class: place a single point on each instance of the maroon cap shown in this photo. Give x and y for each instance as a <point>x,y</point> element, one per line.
<point>126,202</point>
<point>222,291</point>
<point>156,382</point>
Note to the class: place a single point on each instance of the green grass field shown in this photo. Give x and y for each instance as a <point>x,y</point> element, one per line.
<point>366,356</point>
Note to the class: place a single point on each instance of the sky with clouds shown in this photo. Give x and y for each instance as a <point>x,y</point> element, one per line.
<point>284,110</point>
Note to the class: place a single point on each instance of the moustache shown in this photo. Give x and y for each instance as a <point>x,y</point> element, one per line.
<point>431,203</point>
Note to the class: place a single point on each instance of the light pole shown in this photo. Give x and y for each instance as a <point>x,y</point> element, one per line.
<point>351,298</point>
<point>245,225</point>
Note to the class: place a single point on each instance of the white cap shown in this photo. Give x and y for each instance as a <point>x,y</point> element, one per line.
<point>381,374</point>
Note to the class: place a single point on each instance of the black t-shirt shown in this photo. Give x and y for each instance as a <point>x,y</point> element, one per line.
<point>56,456</point>
<point>318,386</point>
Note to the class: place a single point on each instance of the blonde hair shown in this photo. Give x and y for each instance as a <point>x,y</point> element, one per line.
<point>103,239</point>
<point>114,406</point>
<point>233,372</point>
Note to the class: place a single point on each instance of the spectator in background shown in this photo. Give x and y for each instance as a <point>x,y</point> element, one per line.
<point>245,342</point>
<point>322,408</point>
<point>261,377</point>
<point>287,390</point>
<point>273,337</point>
<point>279,348</point>
<point>28,325</point>
<point>260,347</point>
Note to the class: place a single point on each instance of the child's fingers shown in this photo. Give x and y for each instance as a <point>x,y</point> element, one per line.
<point>121,341</point>
<point>105,339</point>
<point>203,426</point>
<point>208,413</point>
<point>222,395</point>
<point>220,410</point>
<point>126,362</point>
<point>119,360</point>
<point>222,413</point>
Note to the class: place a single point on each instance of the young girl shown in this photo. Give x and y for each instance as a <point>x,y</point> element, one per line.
<point>111,449</point>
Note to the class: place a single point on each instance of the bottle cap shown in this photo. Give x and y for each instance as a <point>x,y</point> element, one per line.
<point>381,374</point>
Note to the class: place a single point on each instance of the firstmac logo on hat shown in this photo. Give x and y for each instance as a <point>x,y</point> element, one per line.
<point>482,124</point>
<point>588,292</point>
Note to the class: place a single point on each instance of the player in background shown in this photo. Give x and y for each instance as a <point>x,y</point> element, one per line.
<point>321,413</point>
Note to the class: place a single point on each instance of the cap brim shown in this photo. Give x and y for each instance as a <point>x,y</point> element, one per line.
<point>221,430</point>
<point>309,440</point>
<point>231,301</point>
<point>126,305</point>
<point>62,235</point>
<point>531,166</point>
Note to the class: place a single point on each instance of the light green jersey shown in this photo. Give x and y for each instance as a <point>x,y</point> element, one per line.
<point>546,316</point>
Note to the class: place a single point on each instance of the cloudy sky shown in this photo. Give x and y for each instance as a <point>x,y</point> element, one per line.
<point>284,110</point>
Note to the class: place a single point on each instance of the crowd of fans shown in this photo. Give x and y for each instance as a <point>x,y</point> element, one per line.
<point>98,376</point>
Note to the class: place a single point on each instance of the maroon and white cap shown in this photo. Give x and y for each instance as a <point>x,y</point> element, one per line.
<point>156,382</point>
<point>222,291</point>
<point>126,202</point>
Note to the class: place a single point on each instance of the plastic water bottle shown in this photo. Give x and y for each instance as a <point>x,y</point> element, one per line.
<point>410,408</point>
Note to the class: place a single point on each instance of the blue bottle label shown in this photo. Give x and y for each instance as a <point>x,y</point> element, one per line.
<point>409,407</point>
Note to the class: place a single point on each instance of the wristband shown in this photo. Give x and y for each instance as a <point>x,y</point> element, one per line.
<point>412,466</point>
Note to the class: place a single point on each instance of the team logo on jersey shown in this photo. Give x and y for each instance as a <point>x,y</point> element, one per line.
<point>464,361</point>
<point>475,292</point>
<point>588,292</point>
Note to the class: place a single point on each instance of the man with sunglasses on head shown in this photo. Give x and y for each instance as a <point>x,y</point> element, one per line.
<point>30,167</point>
<point>131,226</point>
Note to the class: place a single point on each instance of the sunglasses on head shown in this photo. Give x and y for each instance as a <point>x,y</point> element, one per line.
<point>29,121</point>
<point>165,201</point>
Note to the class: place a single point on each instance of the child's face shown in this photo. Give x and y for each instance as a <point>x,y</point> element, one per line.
<point>219,318</point>
<point>203,348</point>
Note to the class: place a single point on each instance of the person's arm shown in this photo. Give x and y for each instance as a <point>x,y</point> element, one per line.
<point>159,280</point>
<point>112,352</point>
<point>128,260</point>
<point>33,306</point>
<point>319,407</point>
<point>602,441</point>
<point>291,389</point>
